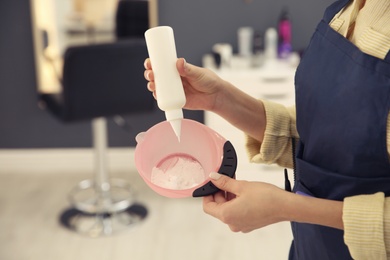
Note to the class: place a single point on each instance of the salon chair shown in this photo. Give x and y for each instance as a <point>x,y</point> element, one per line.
<point>132,18</point>
<point>100,81</point>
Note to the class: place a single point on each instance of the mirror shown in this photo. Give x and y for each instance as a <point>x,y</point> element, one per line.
<point>58,24</point>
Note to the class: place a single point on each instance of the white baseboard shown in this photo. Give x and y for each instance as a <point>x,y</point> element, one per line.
<point>36,161</point>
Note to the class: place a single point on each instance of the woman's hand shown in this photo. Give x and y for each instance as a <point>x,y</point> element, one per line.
<point>204,90</point>
<point>257,204</point>
<point>201,85</point>
<point>253,204</point>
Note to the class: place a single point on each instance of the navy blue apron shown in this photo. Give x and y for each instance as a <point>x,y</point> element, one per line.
<point>342,101</point>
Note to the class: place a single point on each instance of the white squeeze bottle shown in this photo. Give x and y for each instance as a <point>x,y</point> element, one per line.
<point>161,46</point>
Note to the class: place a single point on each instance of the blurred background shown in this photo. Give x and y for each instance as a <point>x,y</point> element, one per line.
<point>198,25</point>
<point>42,157</point>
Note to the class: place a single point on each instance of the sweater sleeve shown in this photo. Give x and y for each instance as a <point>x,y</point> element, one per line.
<point>277,143</point>
<point>366,221</point>
<point>366,218</point>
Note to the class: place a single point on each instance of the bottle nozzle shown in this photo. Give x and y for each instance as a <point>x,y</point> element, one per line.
<point>176,126</point>
<point>174,117</point>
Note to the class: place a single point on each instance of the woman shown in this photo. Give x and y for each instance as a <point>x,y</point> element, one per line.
<point>339,207</point>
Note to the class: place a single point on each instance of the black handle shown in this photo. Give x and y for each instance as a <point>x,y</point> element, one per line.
<point>228,168</point>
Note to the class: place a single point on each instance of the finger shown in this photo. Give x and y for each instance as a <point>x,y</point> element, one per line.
<point>225,183</point>
<point>210,206</point>
<point>181,66</point>
<point>147,64</point>
<point>220,197</point>
<point>146,75</point>
<point>149,75</point>
<point>151,86</point>
<point>208,199</point>
<point>186,69</point>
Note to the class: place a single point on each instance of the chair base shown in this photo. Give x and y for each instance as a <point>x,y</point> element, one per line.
<point>95,212</point>
<point>88,198</point>
<point>98,225</point>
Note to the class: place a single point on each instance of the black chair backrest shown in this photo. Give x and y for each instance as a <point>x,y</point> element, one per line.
<point>105,80</point>
<point>132,18</point>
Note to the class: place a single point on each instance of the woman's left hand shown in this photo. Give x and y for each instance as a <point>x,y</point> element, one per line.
<point>252,206</point>
<point>246,206</point>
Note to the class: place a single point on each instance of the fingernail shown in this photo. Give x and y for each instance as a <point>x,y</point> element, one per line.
<point>185,64</point>
<point>215,175</point>
<point>147,76</point>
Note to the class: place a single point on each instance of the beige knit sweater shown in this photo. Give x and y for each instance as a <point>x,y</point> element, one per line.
<point>366,218</point>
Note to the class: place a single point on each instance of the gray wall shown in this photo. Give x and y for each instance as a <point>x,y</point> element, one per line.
<point>201,23</point>
<point>197,24</point>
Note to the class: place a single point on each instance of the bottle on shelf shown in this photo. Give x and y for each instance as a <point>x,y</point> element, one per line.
<point>284,35</point>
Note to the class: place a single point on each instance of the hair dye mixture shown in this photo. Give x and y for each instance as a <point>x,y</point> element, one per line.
<point>178,172</point>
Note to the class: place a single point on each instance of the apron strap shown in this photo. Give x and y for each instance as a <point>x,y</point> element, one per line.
<point>333,9</point>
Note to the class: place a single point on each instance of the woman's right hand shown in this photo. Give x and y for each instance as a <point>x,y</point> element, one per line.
<point>201,86</point>
<point>204,90</point>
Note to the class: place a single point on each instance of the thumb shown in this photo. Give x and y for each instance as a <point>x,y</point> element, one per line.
<point>225,183</point>
<point>186,69</point>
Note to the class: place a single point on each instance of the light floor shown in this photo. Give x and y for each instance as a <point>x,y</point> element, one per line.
<point>174,229</point>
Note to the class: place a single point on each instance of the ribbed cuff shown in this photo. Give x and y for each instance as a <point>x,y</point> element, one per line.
<point>363,218</point>
<point>275,147</point>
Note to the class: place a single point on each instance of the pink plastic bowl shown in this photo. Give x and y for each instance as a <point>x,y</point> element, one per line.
<point>211,150</point>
